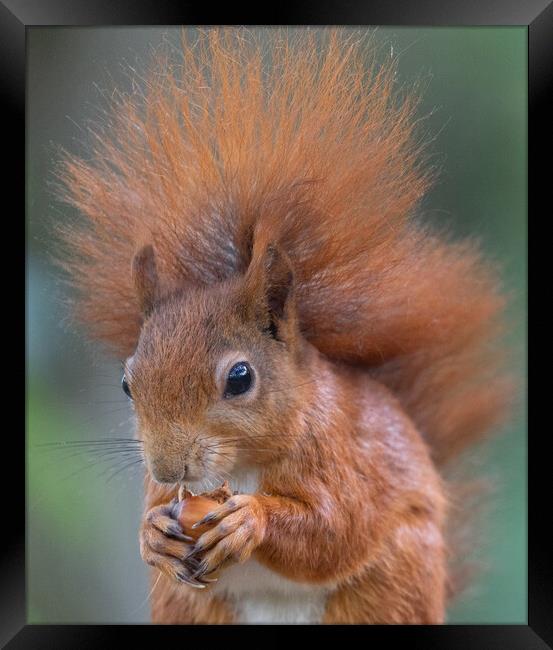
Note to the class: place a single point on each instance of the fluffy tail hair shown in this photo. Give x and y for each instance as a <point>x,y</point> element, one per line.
<point>305,140</point>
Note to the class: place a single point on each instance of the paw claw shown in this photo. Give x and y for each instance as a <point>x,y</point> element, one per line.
<point>189,580</point>
<point>174,530</point>
<point>200,570</point>
<point>190,553</point>
<point>205,520</point>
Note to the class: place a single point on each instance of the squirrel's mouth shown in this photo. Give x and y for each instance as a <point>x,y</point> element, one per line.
<point>192,475</point>
<point>195,465</point>
<point>201,483</point>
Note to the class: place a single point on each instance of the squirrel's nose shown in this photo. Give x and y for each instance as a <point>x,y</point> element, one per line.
<point>164,472</point>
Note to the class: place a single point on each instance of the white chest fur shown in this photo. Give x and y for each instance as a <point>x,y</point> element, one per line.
<point>261,595</point>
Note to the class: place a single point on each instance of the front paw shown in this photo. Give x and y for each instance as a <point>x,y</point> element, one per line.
<point>240,531</point>
<point>163,545</point>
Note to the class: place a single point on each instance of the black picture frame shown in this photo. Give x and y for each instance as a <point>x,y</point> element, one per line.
<point>18,15</point>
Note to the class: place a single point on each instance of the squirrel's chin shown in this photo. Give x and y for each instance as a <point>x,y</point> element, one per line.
<point>206,481</point>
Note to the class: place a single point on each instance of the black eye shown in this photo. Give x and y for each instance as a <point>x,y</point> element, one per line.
<point>239,379</point>
<point>125,387</point>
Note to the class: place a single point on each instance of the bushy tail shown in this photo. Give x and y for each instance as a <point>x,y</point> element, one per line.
<point>306,139</point>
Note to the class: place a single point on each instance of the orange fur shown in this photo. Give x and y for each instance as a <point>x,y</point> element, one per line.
<point>306,148</point>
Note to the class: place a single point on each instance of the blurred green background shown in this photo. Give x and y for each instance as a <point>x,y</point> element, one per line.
<point>83,512</point>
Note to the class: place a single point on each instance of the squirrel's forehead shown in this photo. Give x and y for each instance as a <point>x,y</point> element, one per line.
<point>206,308</point>
<point>190,333</point>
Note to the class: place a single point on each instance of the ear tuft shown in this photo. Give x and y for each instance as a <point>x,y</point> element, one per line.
<point>145,279</point>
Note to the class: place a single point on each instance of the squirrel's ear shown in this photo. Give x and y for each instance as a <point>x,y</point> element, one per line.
<point>279,281</point>
<point>269,283</point>
<point>144,277</point>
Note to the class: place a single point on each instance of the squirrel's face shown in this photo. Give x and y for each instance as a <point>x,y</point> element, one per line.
<point>215,377</point>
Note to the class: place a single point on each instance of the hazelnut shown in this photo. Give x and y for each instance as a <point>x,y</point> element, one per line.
<point>191,508</point>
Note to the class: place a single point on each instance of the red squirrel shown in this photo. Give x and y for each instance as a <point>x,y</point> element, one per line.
<point>249,247</point>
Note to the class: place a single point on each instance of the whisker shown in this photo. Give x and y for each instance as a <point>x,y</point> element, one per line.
<point>219,453</point>
<point>112,458</point>
<point>117,463</point>
<point>62,453</point>
<point>134,462</point>
<point>92,442</point>
<point>221,478</point>
<point>73,450</point>
<point>100,456</point>
<point>78,471</point>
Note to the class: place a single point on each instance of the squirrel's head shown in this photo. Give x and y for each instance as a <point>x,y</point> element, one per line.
<point>217,371</point>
